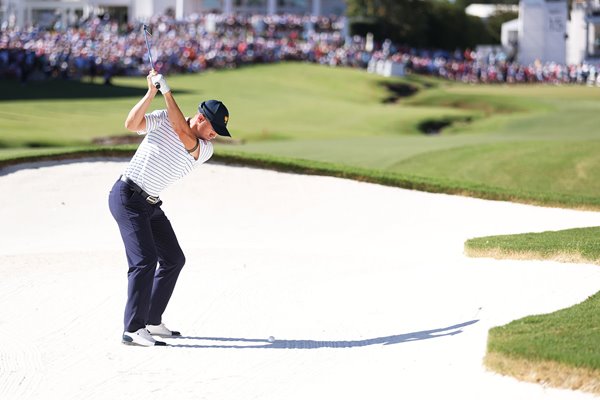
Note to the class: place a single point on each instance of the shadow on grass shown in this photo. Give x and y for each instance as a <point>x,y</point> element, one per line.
<point>65,89</point>
<point>245,343</point>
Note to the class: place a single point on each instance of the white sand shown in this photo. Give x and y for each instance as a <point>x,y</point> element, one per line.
<point>364,287</point>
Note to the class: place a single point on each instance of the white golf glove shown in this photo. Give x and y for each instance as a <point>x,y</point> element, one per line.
<point>159,79</point>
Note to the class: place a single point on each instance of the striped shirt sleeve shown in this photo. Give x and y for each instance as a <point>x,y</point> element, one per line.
<point>154,120</point>
<point>206,151</point>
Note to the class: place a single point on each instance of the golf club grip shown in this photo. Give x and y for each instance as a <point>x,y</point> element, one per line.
<point>157,85</point>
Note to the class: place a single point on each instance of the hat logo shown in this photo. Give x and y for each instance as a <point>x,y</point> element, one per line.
<point>226,118</point>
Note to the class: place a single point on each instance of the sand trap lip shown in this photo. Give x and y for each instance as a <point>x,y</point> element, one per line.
<point>364,288</point>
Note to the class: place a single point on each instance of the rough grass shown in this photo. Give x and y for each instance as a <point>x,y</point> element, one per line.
<point>547,373</point>
<point>570,245</point>
<point>500,254</point>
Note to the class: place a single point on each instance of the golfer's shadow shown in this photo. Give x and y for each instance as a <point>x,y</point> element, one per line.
<point>245,343</point>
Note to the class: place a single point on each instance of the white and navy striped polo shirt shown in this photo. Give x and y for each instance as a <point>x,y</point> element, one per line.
<point>161,158</point>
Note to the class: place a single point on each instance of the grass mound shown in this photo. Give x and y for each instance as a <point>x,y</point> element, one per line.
<point>559,349</point>
<point>579,244</point>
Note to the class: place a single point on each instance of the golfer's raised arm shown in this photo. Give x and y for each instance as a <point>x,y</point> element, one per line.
<point>179,123</point>
<point>176,117</point>
<point>135,119</point>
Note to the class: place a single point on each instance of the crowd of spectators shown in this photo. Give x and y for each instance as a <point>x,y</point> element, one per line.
<point>100,47</point>
<point>470,67</point>
<point>104,48</point>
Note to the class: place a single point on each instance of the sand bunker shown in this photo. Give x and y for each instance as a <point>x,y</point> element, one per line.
<point>364,288</point>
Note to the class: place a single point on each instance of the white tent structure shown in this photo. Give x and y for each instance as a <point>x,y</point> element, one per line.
<point>509,36</point>
<point>542,31</point>
<point>584,32</point>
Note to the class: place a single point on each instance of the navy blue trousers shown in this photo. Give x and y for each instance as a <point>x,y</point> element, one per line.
<point>149,242</point>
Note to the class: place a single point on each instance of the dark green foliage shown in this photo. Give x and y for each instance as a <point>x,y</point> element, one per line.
<point>422,24</point>
<point>494,24</point>
<point>449,28</point>
<point>464,3</point>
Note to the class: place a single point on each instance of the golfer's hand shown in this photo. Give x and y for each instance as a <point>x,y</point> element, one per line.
<point>151,86</point>
<point>160,82</point>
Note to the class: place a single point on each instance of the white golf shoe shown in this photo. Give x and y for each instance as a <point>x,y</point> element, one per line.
<point>161,330</point>
<point>141,337</point>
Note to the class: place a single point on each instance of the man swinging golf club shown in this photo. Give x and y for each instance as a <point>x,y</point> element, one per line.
<point>172,147</point>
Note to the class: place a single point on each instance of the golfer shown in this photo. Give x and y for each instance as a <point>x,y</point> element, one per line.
<point>172,147</point>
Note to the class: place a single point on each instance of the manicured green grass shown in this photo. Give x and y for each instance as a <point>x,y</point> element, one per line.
<point>533,144</point>
<point>290,101</point>
<point>559,167</point>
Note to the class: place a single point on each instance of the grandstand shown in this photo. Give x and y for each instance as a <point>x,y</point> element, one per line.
<point>22,13</point>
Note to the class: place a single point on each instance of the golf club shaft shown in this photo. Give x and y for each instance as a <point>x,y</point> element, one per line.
<point>157,85</point>
<point>149,53</point>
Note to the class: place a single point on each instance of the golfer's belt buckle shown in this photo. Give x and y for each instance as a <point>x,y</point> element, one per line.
<point>152,199</point>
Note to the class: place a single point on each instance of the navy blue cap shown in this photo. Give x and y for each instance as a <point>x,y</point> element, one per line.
<point>217,114</point>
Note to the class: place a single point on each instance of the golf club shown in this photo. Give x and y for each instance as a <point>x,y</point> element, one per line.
<point>146,33</point>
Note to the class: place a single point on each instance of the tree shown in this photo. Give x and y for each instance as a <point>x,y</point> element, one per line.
<point>435,24</point>
<point>399,20</point>
<point>495,21</point>
<point>464,3</point>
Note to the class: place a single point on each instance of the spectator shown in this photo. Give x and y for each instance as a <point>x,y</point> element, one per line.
<point>100,47</point>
